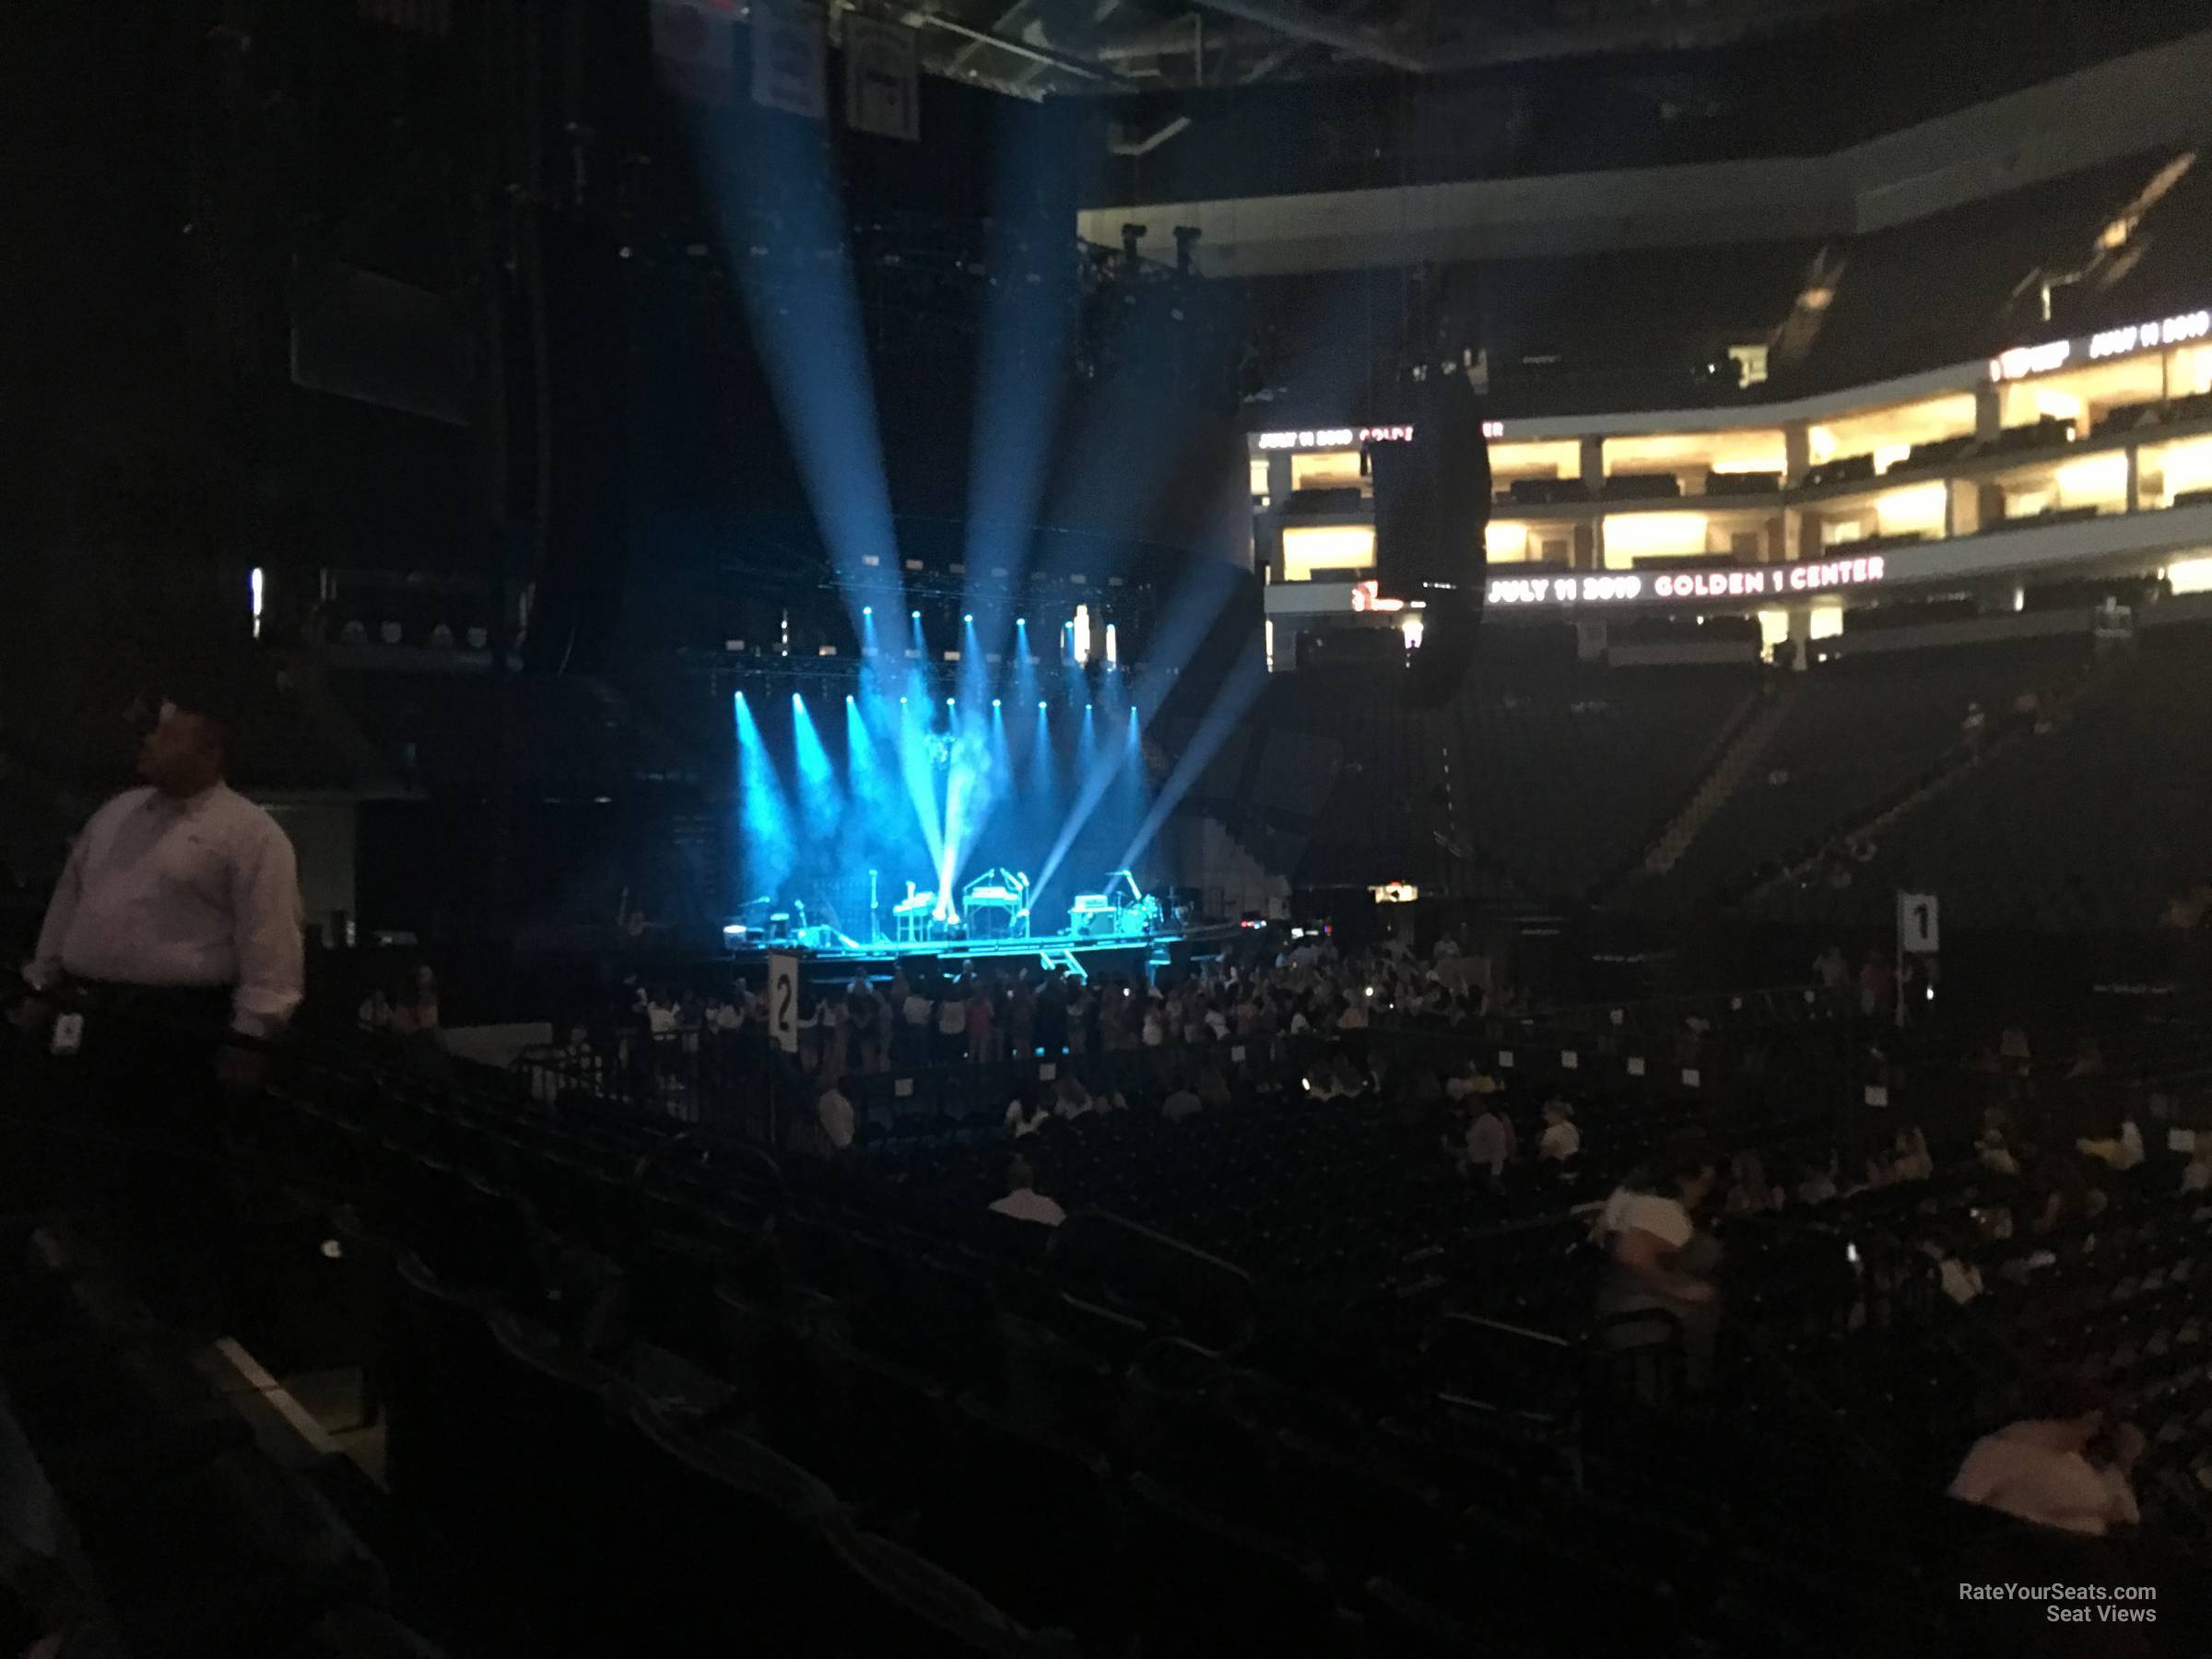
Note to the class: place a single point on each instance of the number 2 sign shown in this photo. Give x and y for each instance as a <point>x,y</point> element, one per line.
<point>783,1001</point>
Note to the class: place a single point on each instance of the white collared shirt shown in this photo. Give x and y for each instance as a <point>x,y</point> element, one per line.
<point>202,891</point>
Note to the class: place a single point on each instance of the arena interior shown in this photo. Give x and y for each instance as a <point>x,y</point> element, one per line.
<point>1120,829</point>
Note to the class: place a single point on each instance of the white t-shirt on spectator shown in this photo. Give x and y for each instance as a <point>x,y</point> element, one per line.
<point>1664,1218</point>
<point>1559,1140</point>
<point>952,1018</point>
<point>836,1114</point>
<point>2014,1471</point>
<point>1026,1206</point>
<point>917,1009</point>
<point>1962,1280</point>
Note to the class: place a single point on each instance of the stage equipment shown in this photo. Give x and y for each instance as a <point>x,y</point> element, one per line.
<point>914,917</point>
<point>997,903</point>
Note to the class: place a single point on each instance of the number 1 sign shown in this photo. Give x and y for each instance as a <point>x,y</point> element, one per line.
<point>1919,923</point>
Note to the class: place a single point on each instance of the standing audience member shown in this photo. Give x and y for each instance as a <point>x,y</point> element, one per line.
<point>1560,1140</point>
<point>1833,970</point>
<point>176,926</point>
<point>1877,987</point>
<point>982,1041</point>
<point>179,903</point>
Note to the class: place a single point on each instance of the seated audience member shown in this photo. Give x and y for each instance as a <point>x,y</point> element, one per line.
<point>2038,1469</point>
<point>1212,1087</point>
<point>1070,1099</point>
<point>1560,1140</point>
<point>833,1113</point>
<point>2196,1175</point>
<point>1911,1160</point>
<point>1181,1103</point>
<point>1820,1183</point>
<point>414,1028</point>
<point>2059,1193</point>
<point>1025,1117</point>
<point>1750,1190</point>
<point>1350,1083</point>
<point>1023,1200</point>
<point>1606,1222</point>
<point>1997,1154</point>
<point>2089,1059</point>
<point>2013,1051</point>
<point>2117,1144</point>
<point>2113,1453</point>
<point>1662,1262</point>
<point>1490,1142</point>
<point>1960,1280</point>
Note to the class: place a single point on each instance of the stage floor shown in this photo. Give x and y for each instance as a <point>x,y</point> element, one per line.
<point>1130,951</point>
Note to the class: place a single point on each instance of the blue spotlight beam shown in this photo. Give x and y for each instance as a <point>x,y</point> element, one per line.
<point>812,344</point>
<point>766,845</point>
<point>1239,688</point>
<point>1031,321</point>
<point>820,802</point>
<point>1099,773</point>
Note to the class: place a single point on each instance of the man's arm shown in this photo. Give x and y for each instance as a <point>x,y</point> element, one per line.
<point>61,911</point>
<point>265,917</point>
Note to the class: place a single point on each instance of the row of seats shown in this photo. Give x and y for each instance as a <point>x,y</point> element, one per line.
<point>2029,838</point>
<point>168,1530</point>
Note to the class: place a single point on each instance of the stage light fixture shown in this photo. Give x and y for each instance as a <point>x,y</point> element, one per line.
<point>913,616</point>
<point>867,610</point>
<point>1041,702</point>
<point>968,617</point>
<point>995,702</point>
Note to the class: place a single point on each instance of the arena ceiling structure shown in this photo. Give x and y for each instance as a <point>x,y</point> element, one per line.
<point>1041,48</point>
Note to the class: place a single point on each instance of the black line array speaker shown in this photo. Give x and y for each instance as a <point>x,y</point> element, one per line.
<point>1433,505</point>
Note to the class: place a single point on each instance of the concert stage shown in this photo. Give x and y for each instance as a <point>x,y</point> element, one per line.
<point>1124,957</point>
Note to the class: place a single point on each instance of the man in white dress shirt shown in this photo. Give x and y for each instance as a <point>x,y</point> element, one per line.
<point>181,900</point>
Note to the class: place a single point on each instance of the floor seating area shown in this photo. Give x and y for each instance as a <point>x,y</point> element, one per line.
<point>1284,1380</point>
